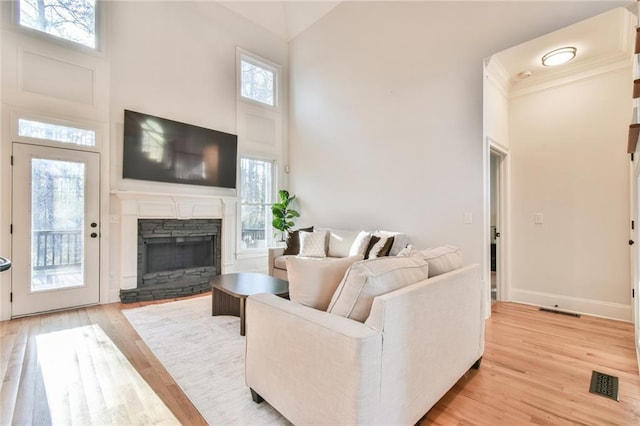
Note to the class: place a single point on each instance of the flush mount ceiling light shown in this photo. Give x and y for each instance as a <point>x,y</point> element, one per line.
<point>559,56</point>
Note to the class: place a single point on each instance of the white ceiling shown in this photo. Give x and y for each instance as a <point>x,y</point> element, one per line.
<point>286,19</point>
<point>600,40</point>
<point>605,38</point>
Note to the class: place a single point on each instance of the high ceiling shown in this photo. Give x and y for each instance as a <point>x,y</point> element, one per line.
<point>601,39</point>
<point>286,19</point>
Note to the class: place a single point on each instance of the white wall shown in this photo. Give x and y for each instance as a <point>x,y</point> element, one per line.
<point>496,104</point>
<point>569,162</point>
<point>386,112</point>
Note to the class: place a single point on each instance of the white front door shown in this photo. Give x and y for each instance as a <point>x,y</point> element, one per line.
<point>56,233</point>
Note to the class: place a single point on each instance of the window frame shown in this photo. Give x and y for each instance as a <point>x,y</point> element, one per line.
<point>78,124</point>
<point>44,36</point>
<point>269,237</point>
<point>246,56</point>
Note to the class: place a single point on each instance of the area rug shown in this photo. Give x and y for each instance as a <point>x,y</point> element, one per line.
<point>205,356</point>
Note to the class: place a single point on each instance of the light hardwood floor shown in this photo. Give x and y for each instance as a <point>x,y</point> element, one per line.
<point>536,370</point>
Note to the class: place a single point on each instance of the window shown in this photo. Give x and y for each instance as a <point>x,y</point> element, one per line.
<point>56,132</point>
<point>256,192</point>
<point>73,20</point>
<point>258,81</point>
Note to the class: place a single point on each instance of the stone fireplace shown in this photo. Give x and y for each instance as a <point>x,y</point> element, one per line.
<point>170,246</point>
<point>181,253</point>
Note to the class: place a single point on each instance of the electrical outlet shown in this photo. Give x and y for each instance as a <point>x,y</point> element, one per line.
<point>538,218</point>
<point>468,218</point>
<point>114,218</point>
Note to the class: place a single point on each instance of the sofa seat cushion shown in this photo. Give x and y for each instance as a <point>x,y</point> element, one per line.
<point>313,281</point>
<point>370,278</point>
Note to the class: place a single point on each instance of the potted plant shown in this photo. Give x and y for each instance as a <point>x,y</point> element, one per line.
<point>283,214</point>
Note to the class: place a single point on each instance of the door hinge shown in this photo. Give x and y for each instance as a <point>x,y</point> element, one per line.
<point>12,160</point>
<point>11,228</point>
<point>633,293</point>
<point>11,297</point>
<point>633,224</point>
<point>632,156</point>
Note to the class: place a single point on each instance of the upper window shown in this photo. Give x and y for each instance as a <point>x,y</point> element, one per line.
<point>73,20</point>
<point>258,81</point>
<point>56,132</point>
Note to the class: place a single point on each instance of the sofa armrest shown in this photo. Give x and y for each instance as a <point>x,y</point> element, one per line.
<point>312,366</point>
<point>273,253</point>
<point>435,329</point>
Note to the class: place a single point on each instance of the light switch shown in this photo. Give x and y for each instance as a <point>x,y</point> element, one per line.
<point>538,218</point>
<point>468,218</point>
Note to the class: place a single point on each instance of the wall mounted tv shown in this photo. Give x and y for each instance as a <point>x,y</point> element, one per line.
<point>161,150</point>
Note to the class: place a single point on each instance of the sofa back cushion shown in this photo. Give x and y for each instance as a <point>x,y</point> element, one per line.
<point>442,259</point>
<point>365,280</point>
<point>312,282</point>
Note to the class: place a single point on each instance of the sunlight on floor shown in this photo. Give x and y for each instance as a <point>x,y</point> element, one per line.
<point>87,380</point>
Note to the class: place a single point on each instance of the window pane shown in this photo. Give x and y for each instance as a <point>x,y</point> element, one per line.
<point>73,20</point>
<point>256,181</point>
<point>257,83</point>
<point>256,188</point>
<point>57,217</point>
<point>55,132</point>
<point>256,222</point>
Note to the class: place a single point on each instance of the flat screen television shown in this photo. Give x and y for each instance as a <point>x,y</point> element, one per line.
<point>161,150</point>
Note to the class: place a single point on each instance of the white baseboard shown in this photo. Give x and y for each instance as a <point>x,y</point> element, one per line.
<point>573,304</point>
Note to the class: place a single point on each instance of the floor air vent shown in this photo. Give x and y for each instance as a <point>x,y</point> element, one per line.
<point>604,385</point>
<point>555,311</point>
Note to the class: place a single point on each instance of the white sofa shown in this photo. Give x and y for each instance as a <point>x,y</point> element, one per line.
<point>338,245</point>
<point>317,367</point>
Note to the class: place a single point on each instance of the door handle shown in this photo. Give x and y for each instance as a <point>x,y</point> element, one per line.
<point>94,235</point>
<point>631,242</point>
<point>93,224</point>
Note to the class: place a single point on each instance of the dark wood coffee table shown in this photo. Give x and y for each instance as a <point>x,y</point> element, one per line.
<point>229,292</point>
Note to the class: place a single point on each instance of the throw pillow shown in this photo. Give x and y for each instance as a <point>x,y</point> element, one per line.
<point>400,240</point>
<point>312,282</point>
<point>339,242</point>
<point>366,280</point>
<point>360,244</point>
<point>409,250</point>
<point>379,247</point>
<point>313,244</point>
<point>442,259</point>
<point>293,240</point>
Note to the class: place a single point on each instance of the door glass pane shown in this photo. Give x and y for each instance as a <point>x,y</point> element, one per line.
<point>57,218</point>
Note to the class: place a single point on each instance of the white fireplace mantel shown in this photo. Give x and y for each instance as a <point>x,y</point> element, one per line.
<point>144,205</point>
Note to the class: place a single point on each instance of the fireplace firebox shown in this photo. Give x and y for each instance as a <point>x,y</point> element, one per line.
<point>176,258</point>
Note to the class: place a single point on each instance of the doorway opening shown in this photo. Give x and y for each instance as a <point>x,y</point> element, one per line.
<point>493,231</point>
<point>497,221</point>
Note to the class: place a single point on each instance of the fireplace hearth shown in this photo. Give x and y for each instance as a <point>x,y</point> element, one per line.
<point>176,258</point>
